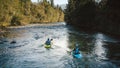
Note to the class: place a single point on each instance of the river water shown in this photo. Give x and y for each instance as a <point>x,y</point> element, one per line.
<point>22,47</point>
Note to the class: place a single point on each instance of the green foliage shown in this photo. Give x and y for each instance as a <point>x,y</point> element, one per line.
<point>47,13</point>
<point>103,16</point>
<point>81,12</point>
<point>15,20</point>
<point>21,12</point>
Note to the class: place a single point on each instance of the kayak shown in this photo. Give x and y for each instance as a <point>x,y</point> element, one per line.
<point>47,46</point>
<point>48,43</point>
<point>77,55</point>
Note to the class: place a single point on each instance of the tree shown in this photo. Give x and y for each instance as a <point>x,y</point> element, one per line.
<point>52,3</point>
<point>22,12</point>
<point>69,11</point>
<point>38,1</point>
<point>80,12</point>
<point>44,1</point>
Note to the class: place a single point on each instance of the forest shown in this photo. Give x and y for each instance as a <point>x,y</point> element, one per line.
<point>92,15</point>
<point>22,12</point>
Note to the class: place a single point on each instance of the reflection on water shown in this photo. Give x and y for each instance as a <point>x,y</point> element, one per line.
<point>28,51</point>
<point>99,49</point>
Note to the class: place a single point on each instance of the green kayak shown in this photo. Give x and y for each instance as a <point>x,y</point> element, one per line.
<point>47,46</point>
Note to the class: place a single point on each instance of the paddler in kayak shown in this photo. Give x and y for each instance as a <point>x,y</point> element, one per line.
<point>76,50</point>
<point>48,42</point>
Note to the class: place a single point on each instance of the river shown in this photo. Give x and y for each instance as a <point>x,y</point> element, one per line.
<point>22,47</point>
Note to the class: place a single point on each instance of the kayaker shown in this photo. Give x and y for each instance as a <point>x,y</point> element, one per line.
<point>48,42</point>
<point>76,49</point>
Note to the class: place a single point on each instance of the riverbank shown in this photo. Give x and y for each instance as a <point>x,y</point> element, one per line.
<point>104,17</point>
<point>2,29</point>
<point>19,12</point>
<point>33,25</point>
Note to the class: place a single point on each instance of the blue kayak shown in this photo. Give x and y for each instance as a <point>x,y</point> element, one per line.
<point>77,55</point>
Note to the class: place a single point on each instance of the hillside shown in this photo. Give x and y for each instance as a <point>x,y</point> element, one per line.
<point>22,12</point>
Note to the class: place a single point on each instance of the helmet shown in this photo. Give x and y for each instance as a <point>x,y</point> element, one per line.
<point>48,39</point>
<point>76,45</point>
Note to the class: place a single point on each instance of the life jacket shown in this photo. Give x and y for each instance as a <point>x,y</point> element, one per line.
<point>48,42</point>
<point>77,51</point>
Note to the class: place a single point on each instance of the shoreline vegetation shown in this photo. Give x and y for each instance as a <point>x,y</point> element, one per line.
<point>6,29</point>
<point>87,15</point>
<point>103,16</point>
<point>23,12</point>
<point>36,24</point>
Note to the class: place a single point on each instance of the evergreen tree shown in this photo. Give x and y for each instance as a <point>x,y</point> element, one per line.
<point>103,16</point>
<point>52,2</point>
<point>80,12</point>
<point>38,1</point>
<point>113,16</point>
<point>69,10</point>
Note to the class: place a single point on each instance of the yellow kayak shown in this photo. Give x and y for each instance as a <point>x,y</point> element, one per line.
<point>47,46</point>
